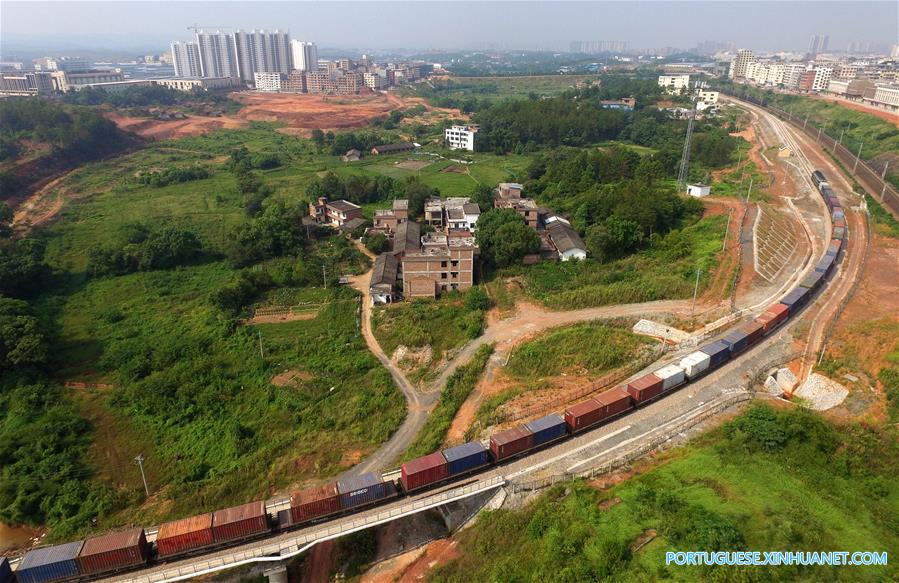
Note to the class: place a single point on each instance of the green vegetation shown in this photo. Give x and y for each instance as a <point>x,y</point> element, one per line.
<point>505,238</point>
<point>196,101</point>
<point>834,488</point>
<point>443,325</point>
<point>592,348</point>
<point>885,224</point>
<point>460,384</point>
<point>666,269</point>
<point>878,138</point>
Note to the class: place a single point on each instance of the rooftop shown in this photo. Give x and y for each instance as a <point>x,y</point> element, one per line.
<point>564,237</point>
<point>342,205</point>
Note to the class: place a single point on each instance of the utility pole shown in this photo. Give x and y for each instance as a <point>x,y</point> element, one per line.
<point>883,178</point>
<point>805,122</point>
<point>840,141</point>
<point>695,291</point>
<point>857,156</point>
<point>749,192</point>
<point>730,213</point>
<point>140,462</point>
<point>261,354</point>
<point>324,276</point>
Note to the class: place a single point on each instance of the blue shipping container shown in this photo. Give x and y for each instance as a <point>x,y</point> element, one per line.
<point>49,564</point>
<point>825,263</point>
<point>466,457</point>
<point>838,214</point>
<point>718,352</point>
<point>547,429</point>
<point>736,341</point>
<point>364,489</point>
<point>5,570</point>
<point>796,298</point>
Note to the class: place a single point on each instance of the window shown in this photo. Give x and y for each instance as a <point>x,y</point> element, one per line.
<point>454,274</point>
<point>455,264</point>
<point>443,275</point>
<point>443,264</point>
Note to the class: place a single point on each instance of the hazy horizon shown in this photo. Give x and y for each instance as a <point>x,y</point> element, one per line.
<point>423,26</point>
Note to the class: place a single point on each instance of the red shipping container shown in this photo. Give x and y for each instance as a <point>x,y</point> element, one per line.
<point>114,551</point>
<point>645,388</point>
<point>184,535</point>
<point>240,521</point>
<point>583,415</point>
<point>615,401</point>
<point>314,502</point>
<point>424,471</point>
<point>510,442</point>
<point>753,331</point>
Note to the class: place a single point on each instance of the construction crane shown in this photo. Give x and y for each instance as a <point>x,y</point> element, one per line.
<point>196,27</point>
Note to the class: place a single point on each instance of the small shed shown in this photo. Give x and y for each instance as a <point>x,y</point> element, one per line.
<point>699,190</point>
<point>352,156</point>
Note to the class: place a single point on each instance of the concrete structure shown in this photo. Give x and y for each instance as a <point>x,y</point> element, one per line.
<point>462,216</point>
<point>850,88</point>
<point>509,190</point>
<point>387,220</point>
<point>186,59</point>
<point>295,82</point>
<point>565,239</point>
<point>384,274</point>
<point>740,62</point>
<point>887,95</point>
<point>70,64</point>
<point>204,83</point>
<point>525,207</point>
<point>699,190</point>
<point>625,103</point>
<point>117,86</point>
<point>268,81</point>
<point>353,155</point>
<point>26,83</point>
<point>374,81</point>
<point>65,81</point>
<point>258,51</point>
<point>461,137</point>
<point>334,213</point>
<point>443,262</point>
<point>674,83</point>
<point>707,97</point>
<point>792,74</point>
<point>393,148</point>
<point>304,55</point>
<point>822,78</point>
<point>217,57</point>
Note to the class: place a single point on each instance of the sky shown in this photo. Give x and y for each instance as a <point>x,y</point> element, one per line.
<point>427,25</point>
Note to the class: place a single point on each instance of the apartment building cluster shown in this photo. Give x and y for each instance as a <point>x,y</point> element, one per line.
<point>60,74</point>
<point>873,81</point>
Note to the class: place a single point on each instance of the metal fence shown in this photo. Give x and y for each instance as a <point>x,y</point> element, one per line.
<point>706,411</point>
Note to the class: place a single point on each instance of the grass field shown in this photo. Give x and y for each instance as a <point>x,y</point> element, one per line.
<point>497,88</point>
<point>769,480</point>
<point>667,270</point>
<point>441,325</point>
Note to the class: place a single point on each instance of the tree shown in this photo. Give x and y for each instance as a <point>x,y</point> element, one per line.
<point>376,243</point>
<point>501,240</point>
<point>614,237</point>
<point>21,341</point>
<point>318,137</point>
<point>6,217</point>
<point>22,268</point>
<point>483,197</point>
<point>477,299</point>
<point>417,192</point>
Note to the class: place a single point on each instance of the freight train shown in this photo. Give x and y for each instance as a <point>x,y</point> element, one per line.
<point>129,549</point>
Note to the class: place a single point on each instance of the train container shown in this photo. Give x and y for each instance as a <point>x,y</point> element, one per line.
<point>826,190</point>
<point>114,551</point>
<point>818,177</point>
<point>825,264</point>
<point>49,564</point>
<point>364,489</point>
<point>772,317</point>
<point>838,214</point>
<point>583,415</point>
<point>239,522</point>
<point>737,341</point>
<point>839,224</point>
<point>718,352</point>
<point>616,400</point>
<point>695,363</point>
<point>754,332</point>
<point>5,570</point>
<point>314,502</point>
<point>796,298</point>
<point>510,442</point>
<point>546,429</point>
<point>466,458</point>
<point>645,388</point>
<point>187,534</point>
<point>671,375</point>
<point>829,203</point>
<point>812,280</point>
<point>834,246</point>
<point>285,519</point>
<point>424,471</point>
<point>839,234</point>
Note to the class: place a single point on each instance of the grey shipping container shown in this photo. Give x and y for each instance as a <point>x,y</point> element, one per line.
<point>547,429</point>
<point>466,457</point>
<point>5,570</point>
<point>736,341</point>
<point>839,233</point>
<point>812,280</point>
<point>364,489</point>
<point>718,352</point>
<point>796,299</point>
<point>49,563</point>
<point>824,264</point>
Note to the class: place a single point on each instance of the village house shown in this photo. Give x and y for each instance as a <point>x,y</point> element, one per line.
<point>442,262</point>
<point>384,274</point>
<point>565,240</point>
<point>526,207</point>
<point>393,148</point>
<point>335,213</point>
<point>386,221</point>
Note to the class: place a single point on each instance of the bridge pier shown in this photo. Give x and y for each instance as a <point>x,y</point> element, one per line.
<point>276,572</point>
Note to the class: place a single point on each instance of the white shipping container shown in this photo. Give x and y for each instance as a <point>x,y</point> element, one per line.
<point>695,364</point>
<point>671,375</point>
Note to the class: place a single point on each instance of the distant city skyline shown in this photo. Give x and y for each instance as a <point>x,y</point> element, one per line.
<point>423,26</point>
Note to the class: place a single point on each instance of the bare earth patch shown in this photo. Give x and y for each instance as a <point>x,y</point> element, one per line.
<point>291,378</point>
